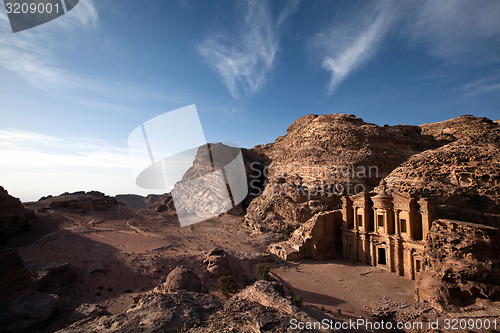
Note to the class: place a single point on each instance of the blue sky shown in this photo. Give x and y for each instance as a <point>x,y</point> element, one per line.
<point>73,89</point>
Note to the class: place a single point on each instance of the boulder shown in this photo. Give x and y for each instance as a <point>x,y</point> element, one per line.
<point>181,278</point>
<point>29,313</point>
<point>217,263</point>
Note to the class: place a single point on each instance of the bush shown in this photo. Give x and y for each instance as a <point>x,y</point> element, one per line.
<point>263,271</point>
<point>298,301</point>
<point>227,285</point>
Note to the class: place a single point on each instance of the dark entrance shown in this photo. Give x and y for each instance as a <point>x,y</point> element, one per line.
<point>381,256</point>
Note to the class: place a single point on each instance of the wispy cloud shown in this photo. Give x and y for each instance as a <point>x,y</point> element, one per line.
<point>244,60</point>
<point>22,148</point>
<point>33,165</point>
<point>459,30</point>
<point>351,42</point>
<point>32,53</point>
<point>483,85</point>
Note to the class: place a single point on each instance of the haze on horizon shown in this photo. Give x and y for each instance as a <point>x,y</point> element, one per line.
<point>74,88</point>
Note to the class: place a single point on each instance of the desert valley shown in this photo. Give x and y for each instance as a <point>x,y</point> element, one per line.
<point>391,227</point>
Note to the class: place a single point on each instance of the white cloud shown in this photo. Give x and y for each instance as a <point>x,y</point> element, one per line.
<point>483,85</point>
<point>32,53</point>
<point>350,43</point>
<point>244,60</point>
<point>34,165</point>
<point>459,30</point>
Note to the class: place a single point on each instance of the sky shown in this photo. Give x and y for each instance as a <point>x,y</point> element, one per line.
<point>73,89</point>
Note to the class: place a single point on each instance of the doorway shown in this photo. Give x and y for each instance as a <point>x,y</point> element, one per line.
<point>382,260</point>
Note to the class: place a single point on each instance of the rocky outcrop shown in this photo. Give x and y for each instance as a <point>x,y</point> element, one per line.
<point>457,128</point>
<point>77,201</point>
<point>462,264</point>
<point>29,313</point>
<point>462,177</point>
<point>165,203</point>
<point>13,274</point>
<point>24,306</point>
<point>323,156</point>
<point>318,238</point>
<point>155,312</point>
<point>137,201</point>
<point>14,218</point>
<point>217,263</point>
<point>181,278</point>
<point>258,308</point>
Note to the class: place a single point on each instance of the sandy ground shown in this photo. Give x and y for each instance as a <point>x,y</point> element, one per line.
<point>121,252</point>
<point>117,253</point>
<point>343,285</point>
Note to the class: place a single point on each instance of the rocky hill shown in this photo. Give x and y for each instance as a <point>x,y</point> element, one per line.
<point>461,177</point>
<point>322,156</point>
<point>78,201</point>
<point>455,162</point>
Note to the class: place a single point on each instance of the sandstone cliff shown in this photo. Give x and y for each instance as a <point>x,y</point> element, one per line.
<point>462,264</point>
<point>461,177</point>
<point>322,156</point>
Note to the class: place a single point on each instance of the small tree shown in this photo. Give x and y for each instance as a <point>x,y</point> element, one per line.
<point>263,271</point>
<point>227,285</point>
<point>298,301</point>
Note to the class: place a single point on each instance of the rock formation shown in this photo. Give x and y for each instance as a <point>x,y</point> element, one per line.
<point>257,308</point>
<point>138,201</point>
<point>462,264</point>
<point>322,156</point>
<point>154,312</point>
<point>462,177</point>
<point>163,204</point>
<point>181,278</point>
<point>77,201</point>
<point>13,216</point>
<point>318,238</point>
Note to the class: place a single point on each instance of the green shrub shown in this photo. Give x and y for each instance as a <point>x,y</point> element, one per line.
<point>263,271</point>
<point>227,285</point>
<point>298,301</point>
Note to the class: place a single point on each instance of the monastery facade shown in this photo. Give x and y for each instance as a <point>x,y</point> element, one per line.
<point>387,231</point>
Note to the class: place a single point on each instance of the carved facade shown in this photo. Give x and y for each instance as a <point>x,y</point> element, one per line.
<point>387,231</point>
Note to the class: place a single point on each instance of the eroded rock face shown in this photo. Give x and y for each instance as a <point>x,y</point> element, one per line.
<point>318,238</point>
<point>462,264</point>
<point>322,156</point>
<point>14,218</point>
<point>155,312</point>
<point>217,263</point>
<point>462,177</point>
<point>457,128</point>
<point>181,278</point>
